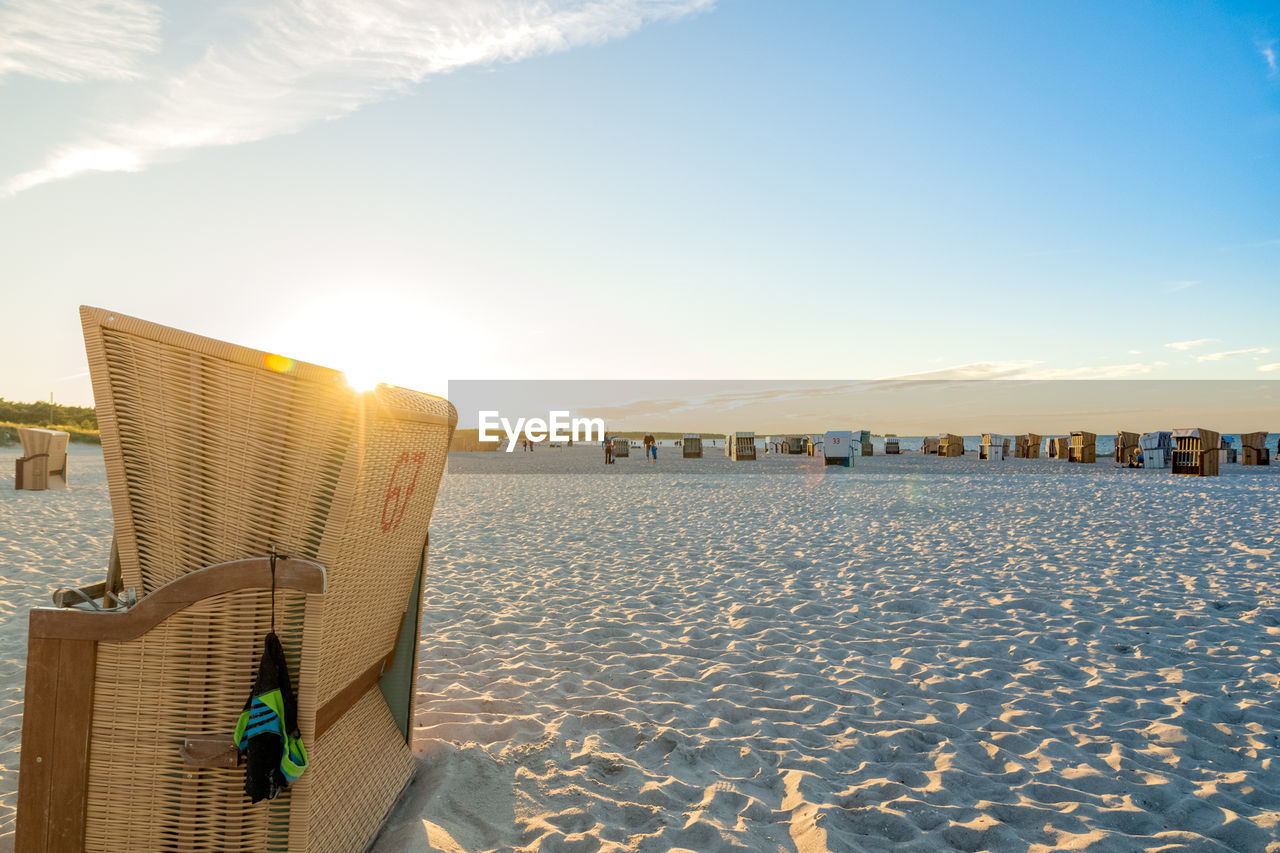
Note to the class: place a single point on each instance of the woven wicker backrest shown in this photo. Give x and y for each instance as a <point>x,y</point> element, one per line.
<point>216,452</point>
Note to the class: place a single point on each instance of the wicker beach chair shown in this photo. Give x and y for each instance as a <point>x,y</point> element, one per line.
<point>43,464</point>
<point>863,437</point>
<point>740,446</point>
<point>839,447</point>
<point>950,445</point>
<point>994,447</point>
<point>931,446</point>
<point>1253,449</point>
<point>1126,447</point>
<point>1033,446</point>
<point>1195,452</point>
<point>691,447</point>
<point>1156,449</point>
<point>218,456</point>
<point>891,447</point>
<point>1083,447</point>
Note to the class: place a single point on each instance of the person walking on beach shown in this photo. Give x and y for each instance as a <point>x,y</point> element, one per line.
<point>608,451</point>
<point>650,447</point>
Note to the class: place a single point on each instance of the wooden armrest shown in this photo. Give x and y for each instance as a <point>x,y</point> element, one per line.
<point>118,626</point>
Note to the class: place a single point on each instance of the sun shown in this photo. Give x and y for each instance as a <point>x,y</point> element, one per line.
<point>363,377</point>
<point>372,335</point>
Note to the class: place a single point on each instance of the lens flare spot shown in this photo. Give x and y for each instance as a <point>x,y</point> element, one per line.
<point>278,363</point>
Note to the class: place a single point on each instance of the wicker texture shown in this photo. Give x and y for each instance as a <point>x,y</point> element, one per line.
<point>214,453</point>
<point>189,677</point>
<point>358,768</point>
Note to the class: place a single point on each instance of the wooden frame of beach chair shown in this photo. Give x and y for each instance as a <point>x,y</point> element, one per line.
<point>691,446</point>
<point>1083,447</point>
<point>1195,452</point>
<point>215,454</point>
<point>621,447</point>
<point>43,464</point>
<point>1253,449</point>
<point>740,446</point>
<point>1126,447</point>
<point>891,446</point>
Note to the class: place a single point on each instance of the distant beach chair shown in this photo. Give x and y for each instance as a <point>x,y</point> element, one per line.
<point>796,443</point>
<point>1227,452</point>
<point>863,438</point>
<point>813,444</point>
<point>993,447</point>
<point>1195,452</point>
<point>891,445</point>
<point>1059,448</point>
<point>43,464</point>
<point>1083,447</point>
<point>1032,446</point>
<point>692,446</point>
<point>216,457</point>
<point>740,446</point>
<point>950,445</point>
<point>839,447</point>
<point>1156,449</point>
<point>1253,449</point>
<point>931,446</point>
<point>621,447</point>
<point>1127,447</point>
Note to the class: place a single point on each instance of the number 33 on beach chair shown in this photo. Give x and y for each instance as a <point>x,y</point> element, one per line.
<point>213,693</point>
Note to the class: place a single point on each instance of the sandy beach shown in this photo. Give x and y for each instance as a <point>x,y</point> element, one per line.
<point>918,654</point>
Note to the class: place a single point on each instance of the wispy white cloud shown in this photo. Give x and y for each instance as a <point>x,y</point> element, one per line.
<point>303,61</point>
<point>1135,352</point>
<point>74,40</point>
<point>1175,286</point>
<point>1219,356</point>
<point>1270,368</point>
<point>1268,51</point>
<point>1106,371</point>
<point>974,370</point>
<point>1186,345</point>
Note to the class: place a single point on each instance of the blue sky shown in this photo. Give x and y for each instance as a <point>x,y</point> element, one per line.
<point>683,189</point>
